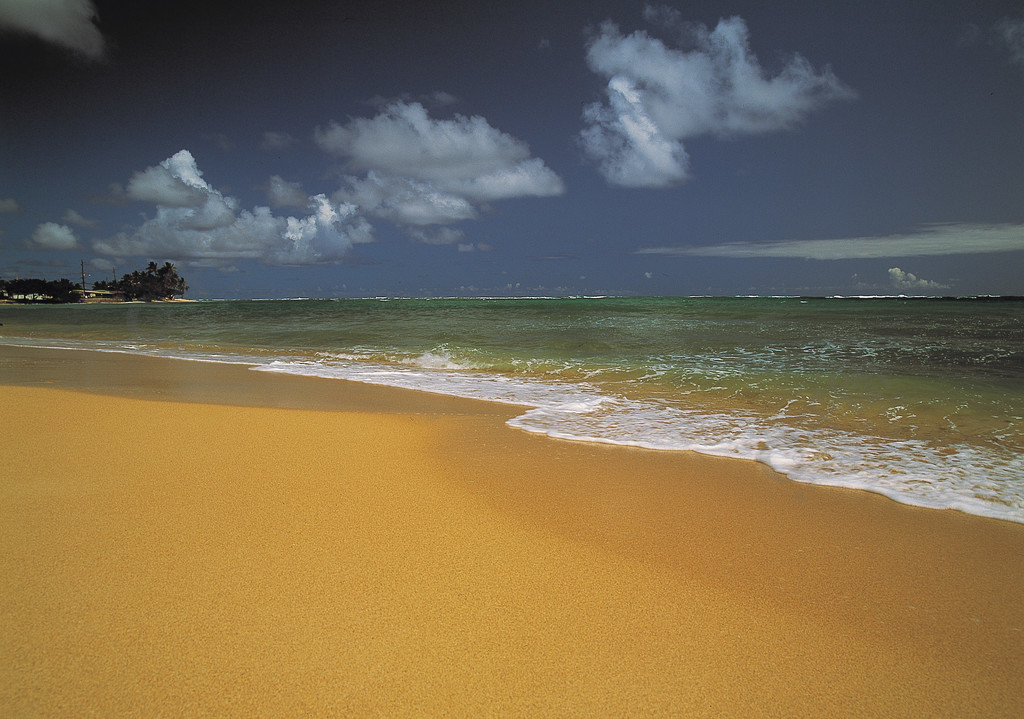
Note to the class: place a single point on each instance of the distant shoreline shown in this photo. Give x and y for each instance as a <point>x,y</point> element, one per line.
<point>914,298</point>
<point>95,301</point>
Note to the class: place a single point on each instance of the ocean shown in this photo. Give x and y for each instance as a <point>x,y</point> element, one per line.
<point>921,400</point>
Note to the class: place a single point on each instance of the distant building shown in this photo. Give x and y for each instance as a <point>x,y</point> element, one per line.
<point>99,295</point>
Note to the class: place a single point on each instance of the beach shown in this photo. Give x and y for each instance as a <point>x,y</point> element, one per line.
<point>197,539</point>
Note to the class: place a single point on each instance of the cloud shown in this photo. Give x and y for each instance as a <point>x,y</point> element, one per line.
<point>8,205</point>
<point>1010,34</point>
<point>664,16</point>
<point>51,236</point>
<point>439,236</point>
<point>325,235</point>
<point>435,99</point>
<point>175,182</point>
<point>415,170</point>
<point>657,96</point>
<point>406,201</point>
<point>627,143</point>
<point>177,186</point>
<point>281,193</point>
<point>73,218</point>
<point>193,221</point>
<point>68,23</point>
<point>277,141</point>
<point>907,281</point>
<point>936,239</point>
<point>101,264</point>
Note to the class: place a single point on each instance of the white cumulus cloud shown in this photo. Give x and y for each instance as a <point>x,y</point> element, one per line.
<point>403,140</point>
<point>177,186</point>
<point>51,236</point>
<point>416,170</point>
<point>406,201</point>
<point>908,281</point>
<point>175,182</point>
<point>194,221</point>
<point>323,236</point>
<point>68,23</point>
<point>658,95</point>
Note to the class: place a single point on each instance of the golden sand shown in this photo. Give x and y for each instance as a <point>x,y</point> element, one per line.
<point>394,553</point>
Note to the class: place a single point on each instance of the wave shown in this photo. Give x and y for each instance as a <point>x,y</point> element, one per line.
<point>919,404</point>
<point>915,472</point>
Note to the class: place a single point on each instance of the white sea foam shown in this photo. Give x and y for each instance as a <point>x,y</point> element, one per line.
<point>910,471</point>
<point>971,478</point>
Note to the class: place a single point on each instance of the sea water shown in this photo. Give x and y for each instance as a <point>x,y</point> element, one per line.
<point>921,400</point>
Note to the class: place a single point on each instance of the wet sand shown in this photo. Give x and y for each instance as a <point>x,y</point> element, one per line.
<point>191,539</point>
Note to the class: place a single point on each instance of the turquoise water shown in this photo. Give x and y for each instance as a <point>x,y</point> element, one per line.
<point>921,400</point>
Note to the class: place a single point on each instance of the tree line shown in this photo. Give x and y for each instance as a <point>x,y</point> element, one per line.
<point>153,283</point>
<point>33,289</point>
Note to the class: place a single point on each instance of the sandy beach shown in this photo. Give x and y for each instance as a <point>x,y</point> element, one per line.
<point>192,539</point>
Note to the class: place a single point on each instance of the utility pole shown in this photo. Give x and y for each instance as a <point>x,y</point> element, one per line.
<point>83,275</point>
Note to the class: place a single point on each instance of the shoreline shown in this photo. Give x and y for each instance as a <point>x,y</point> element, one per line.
<point>319,546</point>
<point>213,391</point>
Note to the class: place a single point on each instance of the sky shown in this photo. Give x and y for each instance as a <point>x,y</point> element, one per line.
<point>363,149</point>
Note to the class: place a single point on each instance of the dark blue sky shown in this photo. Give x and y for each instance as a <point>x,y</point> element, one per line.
<point>316,148</point>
